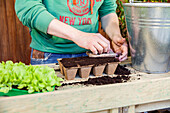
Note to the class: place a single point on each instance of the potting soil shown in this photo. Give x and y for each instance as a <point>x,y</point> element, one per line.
<point>102,80</point>
<point>85,61</point>
<point>120,70</point>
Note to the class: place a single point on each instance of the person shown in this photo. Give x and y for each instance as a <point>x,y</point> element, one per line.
<point>69,28</point>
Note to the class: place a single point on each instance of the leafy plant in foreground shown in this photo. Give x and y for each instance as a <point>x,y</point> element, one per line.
<point>33,78</point>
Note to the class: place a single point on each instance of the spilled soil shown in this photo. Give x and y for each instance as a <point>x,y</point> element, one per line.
<point>101,80</point>
<point>121,70</point>
<point>85,61</point>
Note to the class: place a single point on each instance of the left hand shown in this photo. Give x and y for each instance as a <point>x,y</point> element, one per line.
<point>120,47</point>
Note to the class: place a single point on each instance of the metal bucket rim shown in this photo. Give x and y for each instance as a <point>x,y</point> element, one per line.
<point>147,4</point>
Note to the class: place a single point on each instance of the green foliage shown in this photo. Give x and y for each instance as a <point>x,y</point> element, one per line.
<point>121,17</point>
<point>33,78</point>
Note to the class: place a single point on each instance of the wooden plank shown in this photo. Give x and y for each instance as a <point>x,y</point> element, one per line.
<point>15,38</point>
<point>121,110</point>
<point>131,109</point>
<point>90,99</point>
<point>11,30</point>
<point>19,35</point>
<point>103,111</point>
<point>26,41</point>
<point>115,110</point>
<point>3,32</point>
<point>153,106</point>
<point>125,110</point>
<point>23,41</point>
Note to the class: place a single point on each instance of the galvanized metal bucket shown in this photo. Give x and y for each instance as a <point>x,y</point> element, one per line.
<point>148,26</point>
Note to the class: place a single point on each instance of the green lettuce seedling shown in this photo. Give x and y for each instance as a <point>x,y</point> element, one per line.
<point>33,78</point>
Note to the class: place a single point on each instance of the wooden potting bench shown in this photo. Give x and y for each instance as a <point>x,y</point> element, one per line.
<point>151,92</point>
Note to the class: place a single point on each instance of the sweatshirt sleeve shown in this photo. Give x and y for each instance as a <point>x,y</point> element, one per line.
<point>32,13</point>
<point>108,6</point>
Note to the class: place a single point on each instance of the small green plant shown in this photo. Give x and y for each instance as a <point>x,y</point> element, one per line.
<point>33,78</point>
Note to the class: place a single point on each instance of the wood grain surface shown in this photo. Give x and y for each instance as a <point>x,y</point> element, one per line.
<point>14,37</point>
<point>151,88</point>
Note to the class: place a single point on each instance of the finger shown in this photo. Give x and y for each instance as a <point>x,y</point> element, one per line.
<point>106,41</point>
<point>116,48</point>
<point>124,54</point>
<point>93,50</point>
<point>110,51</point>
<point>119,41</point>
<point>99,48</point>
<point>123,59</point>
<point>103,38</point>
<point>104,45</point>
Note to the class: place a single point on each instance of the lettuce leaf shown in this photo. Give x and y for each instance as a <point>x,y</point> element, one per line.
<point>33,78</point>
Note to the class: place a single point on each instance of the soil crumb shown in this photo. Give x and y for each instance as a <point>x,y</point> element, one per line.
<point>120,70</point>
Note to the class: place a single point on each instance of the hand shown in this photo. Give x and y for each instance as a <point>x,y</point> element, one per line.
<point>120,47</point>
<point>118,40</point>
<point>93,41</point>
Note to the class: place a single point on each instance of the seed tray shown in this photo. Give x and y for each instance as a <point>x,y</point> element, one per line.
<point>84,71</point>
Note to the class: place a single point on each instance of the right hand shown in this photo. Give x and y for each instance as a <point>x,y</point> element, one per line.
<point>93,41</point>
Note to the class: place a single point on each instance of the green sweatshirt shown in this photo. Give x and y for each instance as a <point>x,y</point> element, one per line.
<point>37,14</point>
